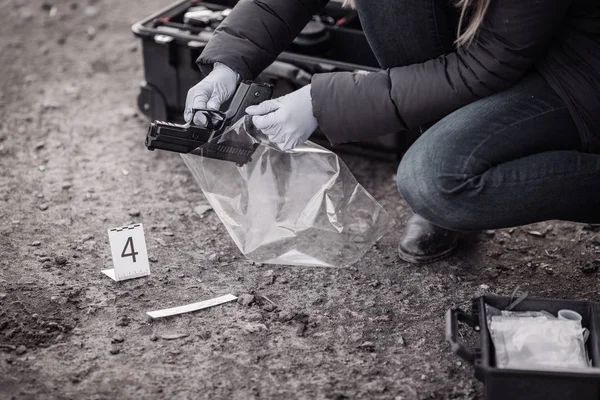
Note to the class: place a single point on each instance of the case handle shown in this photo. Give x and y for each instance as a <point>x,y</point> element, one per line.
<point>453,317</point>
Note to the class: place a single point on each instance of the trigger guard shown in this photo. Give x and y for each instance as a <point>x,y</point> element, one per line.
<point>210,114</point>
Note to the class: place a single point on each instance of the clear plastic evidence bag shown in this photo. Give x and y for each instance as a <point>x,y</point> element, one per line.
<point>301,207</point>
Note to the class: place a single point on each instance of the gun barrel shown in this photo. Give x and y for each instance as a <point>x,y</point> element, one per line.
<point>172,137</point>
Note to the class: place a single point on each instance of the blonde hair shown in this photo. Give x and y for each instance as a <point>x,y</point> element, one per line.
<point>474,10</point>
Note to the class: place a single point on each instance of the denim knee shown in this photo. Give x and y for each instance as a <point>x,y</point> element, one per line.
<point>429,192</point>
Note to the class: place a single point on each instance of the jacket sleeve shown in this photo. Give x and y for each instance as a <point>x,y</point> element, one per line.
<point>255,32</point>
<point>352,107</point>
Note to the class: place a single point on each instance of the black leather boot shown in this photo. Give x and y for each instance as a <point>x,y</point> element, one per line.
<point>423,242</point>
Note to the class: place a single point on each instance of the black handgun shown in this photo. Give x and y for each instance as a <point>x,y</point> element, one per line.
<point>204,140</point>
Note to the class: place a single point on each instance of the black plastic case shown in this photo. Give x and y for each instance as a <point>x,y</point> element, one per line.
<point>513,384</point>
<point>170,66</point>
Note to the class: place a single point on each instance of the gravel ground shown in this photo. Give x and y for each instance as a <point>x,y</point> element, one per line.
<point>73,163</point>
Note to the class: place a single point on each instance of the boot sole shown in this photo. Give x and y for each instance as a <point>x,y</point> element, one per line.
<point>428,259</point>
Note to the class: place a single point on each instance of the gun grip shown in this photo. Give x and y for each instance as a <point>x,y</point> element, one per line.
<point>248,94</point>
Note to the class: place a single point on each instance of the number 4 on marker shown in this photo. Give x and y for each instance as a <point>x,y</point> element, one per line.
<point>133,252</point>
<point>122,247</point>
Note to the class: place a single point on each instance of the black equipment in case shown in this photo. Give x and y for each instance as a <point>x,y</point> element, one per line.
<point>174,37</point>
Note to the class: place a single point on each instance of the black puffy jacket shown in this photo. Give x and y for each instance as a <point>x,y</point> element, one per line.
<point>558,37</point>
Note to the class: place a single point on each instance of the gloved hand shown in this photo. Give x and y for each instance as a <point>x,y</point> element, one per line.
<point>211,92</point>
<point>287,121</point>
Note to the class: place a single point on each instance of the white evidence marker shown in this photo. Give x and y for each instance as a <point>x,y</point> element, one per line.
<point>129,253</point>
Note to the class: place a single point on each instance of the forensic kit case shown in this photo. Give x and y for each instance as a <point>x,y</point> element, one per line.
<point>521,384</point>
<point>174,37</point>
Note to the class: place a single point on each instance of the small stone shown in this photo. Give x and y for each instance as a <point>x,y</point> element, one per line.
<point>401,341</point>
<point>117,339</point>
<point>3,295</point>
<point>123,321</point>
<point>124,172</point>
<point>66,186</point>
<point>43,207</point>
<point>36,243</point>
<point>301,328</point>
<point>153,337</point>
<point>253,328</point>
<point>153,259</point>
<point>168,233</point>
<point>60,260</point>
<point>59,299</point>
<point>285,315</point>
<point>484,286</point>
<point>212,257</point>
<point>40,145</point>
<point>301,323</point>
<point>591,267</point>
<point>356,336</point>
<point>91,32</point>
<point>536,233</point>
<point>245,299</point>
<point>173,336</point>
<point>202,209</point>
<point>269,307</point>
<point>91,11</point>
<point>27,14</point>
<point>21,350</point>
<point>269,277</point>
<point>134,213</point>
<point>367,346</point>
<point>127,113</point>
<point>549,270</point>
<point>114,349</point>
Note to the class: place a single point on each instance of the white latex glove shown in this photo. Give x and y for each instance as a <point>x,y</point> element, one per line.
<point>211,92</point>
<point>287,121</point>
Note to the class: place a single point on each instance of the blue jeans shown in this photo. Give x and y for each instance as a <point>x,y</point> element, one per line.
<point>506,160</point>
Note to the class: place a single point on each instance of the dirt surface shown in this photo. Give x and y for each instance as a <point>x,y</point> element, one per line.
<point>73,164</point>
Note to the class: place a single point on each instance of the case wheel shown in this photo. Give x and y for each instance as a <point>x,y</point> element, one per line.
<point>151,103</point>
